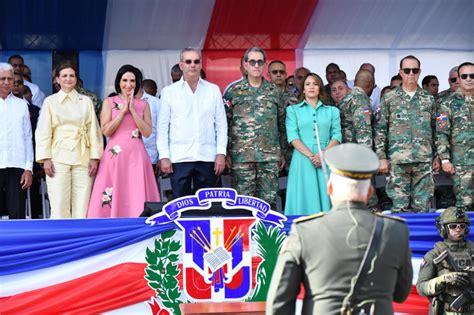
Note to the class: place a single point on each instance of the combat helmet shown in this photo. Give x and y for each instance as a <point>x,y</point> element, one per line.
<point>451,215</point>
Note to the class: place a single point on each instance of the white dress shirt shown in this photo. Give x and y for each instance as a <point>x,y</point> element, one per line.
<point>374,97</point>
<point>192,127</point>
<point>150,142</point>
<point>38,95</point>
<point>16,146</point>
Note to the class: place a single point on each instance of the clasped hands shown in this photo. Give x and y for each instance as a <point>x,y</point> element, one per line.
<point>315,159</point>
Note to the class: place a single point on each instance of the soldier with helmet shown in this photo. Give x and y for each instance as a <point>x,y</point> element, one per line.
<point>445,274</point>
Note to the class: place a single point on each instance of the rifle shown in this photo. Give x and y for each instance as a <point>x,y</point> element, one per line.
<point>467,294</point>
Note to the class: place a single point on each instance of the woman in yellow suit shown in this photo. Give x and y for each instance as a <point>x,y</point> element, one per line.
<point>69,144</point>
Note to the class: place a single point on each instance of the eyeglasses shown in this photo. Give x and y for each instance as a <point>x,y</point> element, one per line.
<point>465,75</point>
<point>18,82</point>
<point>8,79</point>
<point>275,72</point>
<point>189,61</point>
<point>258,62</point>
<point>413,70</point>
<point>453,226</point>
<point>453,80</point>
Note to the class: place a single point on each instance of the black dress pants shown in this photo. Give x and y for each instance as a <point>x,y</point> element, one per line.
<point>192,174</point>
<point>12,196</point>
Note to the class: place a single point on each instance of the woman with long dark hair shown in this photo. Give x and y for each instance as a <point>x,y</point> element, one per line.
<point>125,179</point>
<point>312,127</point>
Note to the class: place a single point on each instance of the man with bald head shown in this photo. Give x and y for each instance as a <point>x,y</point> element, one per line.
<point>375,94</point>
<point>16,158</point>
<point>356,116</point>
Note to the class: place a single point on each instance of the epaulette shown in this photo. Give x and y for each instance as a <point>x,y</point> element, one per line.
<point>309,217</point>
<point>390,217</point>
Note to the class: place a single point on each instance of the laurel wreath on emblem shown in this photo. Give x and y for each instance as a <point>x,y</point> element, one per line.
<point>162,270</point>
<point>270,242</point>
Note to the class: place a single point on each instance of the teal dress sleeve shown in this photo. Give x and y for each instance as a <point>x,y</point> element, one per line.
<point>336,133</point>
<point>291,124</point>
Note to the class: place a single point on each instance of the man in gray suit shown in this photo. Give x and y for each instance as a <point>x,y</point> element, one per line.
<point>324,251</point>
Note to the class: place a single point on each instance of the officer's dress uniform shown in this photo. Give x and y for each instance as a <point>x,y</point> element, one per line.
<point>325,263</point>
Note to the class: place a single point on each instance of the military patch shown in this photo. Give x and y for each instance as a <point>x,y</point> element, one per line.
<point>441,121</point>
<point>377,113</point>
<point>367,115</point>
<point>227,103</point>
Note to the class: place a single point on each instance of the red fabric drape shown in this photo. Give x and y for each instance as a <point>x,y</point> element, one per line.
<point>276,24</point>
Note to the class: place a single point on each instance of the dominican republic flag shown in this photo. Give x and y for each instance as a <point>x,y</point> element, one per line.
<point>97,265</point>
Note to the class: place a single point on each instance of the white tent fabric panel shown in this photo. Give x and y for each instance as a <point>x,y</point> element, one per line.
<point>154,64</point>
<point>156,24</point>
<point>387,24</point>
<point>386,62</point>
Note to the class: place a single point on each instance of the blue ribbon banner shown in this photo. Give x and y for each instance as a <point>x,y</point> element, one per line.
<point>229,198</point>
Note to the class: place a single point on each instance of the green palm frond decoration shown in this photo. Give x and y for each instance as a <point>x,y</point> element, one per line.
<point>162,270</point>
<point>269,245</point>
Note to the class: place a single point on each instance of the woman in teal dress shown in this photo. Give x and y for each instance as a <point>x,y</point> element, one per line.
<point>306,190</point>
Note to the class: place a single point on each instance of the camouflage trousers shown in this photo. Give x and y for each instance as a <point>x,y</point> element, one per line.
<point>257,179</point>
<point>410,186</point>
<point>464,186</point>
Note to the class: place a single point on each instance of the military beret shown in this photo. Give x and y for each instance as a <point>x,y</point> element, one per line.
<point>352,160</point>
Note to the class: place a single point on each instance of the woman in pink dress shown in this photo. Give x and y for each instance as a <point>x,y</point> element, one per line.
<point>125,179</point>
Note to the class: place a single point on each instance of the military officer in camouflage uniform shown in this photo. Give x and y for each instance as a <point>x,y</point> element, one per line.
<point>257,136</point>
<point>324,251</point>
<point>453,81</point>
<point>339,89</point>
<point>455,137</point>
<point>356,116</point>
<point>444,272</point>
<point>404,135</point>
<point>356,111</point>
<point>277,75</point>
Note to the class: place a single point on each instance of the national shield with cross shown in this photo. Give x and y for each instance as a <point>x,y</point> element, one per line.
<point>217,258</point>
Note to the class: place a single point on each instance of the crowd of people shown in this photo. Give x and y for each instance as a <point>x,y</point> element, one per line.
<point>257,130</point>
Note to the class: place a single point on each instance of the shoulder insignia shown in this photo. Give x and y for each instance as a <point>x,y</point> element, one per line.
<point>390,217</point>
<point>309,217</point>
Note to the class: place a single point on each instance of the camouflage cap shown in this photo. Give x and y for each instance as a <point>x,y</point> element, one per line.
<point>352,160</point>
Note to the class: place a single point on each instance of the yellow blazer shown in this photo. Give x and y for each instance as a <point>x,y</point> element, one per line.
<point>68,131</point>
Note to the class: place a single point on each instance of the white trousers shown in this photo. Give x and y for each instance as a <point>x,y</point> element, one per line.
<point>69,191</point>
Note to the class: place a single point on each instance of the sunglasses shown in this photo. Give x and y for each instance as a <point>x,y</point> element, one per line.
<point>258,62</point>
<point>18,82</point>
<point>413,70</point>
<point>195,61</point>
<point>465,75</point>
<point>453,80</point>
<point>454,226</point>
<point>275,72</point>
